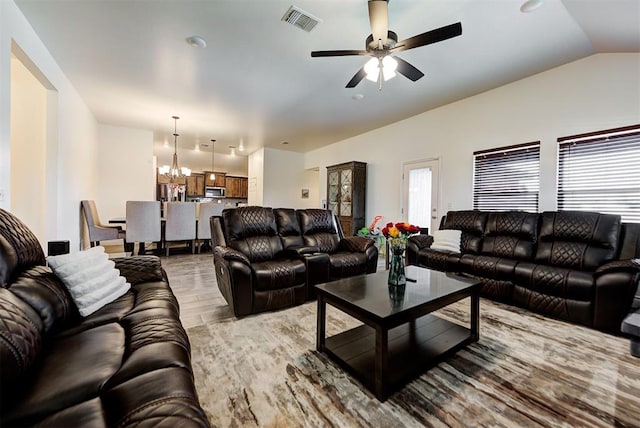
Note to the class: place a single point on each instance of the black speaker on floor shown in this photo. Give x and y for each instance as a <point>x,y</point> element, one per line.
<point>56,248</point>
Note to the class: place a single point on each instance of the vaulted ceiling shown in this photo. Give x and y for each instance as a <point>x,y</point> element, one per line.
<point>255,83</point>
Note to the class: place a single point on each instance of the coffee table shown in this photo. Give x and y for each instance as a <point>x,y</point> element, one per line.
<point>399,339</point>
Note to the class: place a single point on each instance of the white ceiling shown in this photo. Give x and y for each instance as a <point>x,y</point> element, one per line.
<point>257,83</point>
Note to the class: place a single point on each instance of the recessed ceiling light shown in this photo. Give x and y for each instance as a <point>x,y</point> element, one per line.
<point>197,42</point>
<point>531,5</point>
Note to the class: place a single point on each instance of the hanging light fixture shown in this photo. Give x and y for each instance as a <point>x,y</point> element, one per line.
<point>212,176</point>
<point>174,172</point>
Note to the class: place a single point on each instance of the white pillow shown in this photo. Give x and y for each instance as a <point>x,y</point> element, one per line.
<point>446,240</point>
<point>91,278</point>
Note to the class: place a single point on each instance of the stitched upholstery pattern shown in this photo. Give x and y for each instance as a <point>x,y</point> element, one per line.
<point>347,264</point>
<point>319,221</point>
<point>139,269</point>
<point>568,254</point>
<point>260,248</point>
<point>166,412</point>
<point>277,274</point>
<point>155,330</point>
<point>579,225</point>
<point>19,248</point>
<point>256,221</point>
<point>496,289</point>
<point>511,234</point>
<point>472,224</point>
<point>326,242</point>
<point>20,339</point>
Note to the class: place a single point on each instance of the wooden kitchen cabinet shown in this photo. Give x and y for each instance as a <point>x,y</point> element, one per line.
<point>237,187</point>
<point>346,191</point>
<point>195,185</point>
<point>219,181</point>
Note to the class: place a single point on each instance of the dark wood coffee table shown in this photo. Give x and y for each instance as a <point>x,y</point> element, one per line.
<point>400,339</point>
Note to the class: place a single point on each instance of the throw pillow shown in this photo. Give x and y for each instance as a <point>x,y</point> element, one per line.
<point>447,239</point>
<point>91,278</point>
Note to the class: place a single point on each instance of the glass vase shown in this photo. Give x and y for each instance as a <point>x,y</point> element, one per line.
<point>396,265</point>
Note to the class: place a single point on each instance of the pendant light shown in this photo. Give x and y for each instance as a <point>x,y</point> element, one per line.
<point>212,176</point>
<point>174,172</point>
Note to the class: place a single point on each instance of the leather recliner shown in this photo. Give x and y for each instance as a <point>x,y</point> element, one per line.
<point>267,259</point>
<point>572,265</point>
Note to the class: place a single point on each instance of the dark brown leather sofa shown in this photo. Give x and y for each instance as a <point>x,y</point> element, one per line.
<point>268,259</point>
<point>128,364</point>
<point>572,265</point>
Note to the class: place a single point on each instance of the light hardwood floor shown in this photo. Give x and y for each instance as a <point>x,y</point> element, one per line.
<point>193,281</point>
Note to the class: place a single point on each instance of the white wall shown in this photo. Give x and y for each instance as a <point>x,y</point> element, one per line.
<point>256,173</point>
<point>28,149</point>
<point>595,93</point>
<point>285,177</point>
<point>71,149</point>
<point>125,171</point>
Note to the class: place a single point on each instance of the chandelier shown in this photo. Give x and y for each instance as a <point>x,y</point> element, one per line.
<point>174,171</point>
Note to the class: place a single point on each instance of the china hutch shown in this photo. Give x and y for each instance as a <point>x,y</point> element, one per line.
<point>346,190</point>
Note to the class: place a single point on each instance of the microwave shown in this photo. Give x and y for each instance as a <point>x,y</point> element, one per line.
<point>214,192</point>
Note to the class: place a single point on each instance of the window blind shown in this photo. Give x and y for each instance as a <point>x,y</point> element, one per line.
<point>601,172</point>
<point>507,178</point>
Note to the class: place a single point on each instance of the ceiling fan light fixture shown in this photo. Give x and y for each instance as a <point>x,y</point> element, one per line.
<point>531,5</point>
<point>388,64</point>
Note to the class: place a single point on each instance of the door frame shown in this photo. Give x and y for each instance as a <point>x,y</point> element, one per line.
<point>438,188</point>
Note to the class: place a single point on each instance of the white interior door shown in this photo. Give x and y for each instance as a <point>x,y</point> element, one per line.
<point>420,193</point>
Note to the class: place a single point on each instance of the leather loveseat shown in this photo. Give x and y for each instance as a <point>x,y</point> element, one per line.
<point>572,265</point>
<point>268,259</point>
<point>127,364</point>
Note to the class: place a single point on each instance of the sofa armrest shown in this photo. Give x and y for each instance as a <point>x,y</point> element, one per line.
<point>139,269</point>
<point>420,241</point>
<point>229,254</point>
<point>355,244</point>
<point>629,265</point>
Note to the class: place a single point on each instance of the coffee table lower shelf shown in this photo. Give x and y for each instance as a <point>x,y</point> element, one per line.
<point>413,348</point>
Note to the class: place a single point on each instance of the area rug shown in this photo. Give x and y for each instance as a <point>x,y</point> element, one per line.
<point>526,370</point>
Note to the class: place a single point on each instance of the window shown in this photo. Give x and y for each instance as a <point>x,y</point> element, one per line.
<point>507,178</point>
<point>600,171</point>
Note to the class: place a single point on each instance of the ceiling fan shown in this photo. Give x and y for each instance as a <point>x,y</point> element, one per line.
<point>382,42</point>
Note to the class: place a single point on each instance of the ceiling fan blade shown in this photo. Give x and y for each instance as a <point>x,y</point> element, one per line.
<point>379,19</point>
<point>408,70</point>
<point>338,53</point>
<point>433,36</point>
<point>361,74</point>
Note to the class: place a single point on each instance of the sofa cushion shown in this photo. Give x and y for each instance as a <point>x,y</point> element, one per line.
<point>48,296</point>
<point>447,239</point>
<point>20,342</point>
<point>90,277</point>
<point>556,281</point>
<point>344,264</point>
<point>252,231</point>
<point>472,224</point>
<point>319,230</point>
<point>577,239</point>
<point>288,227</point>
<point>19,248</point>
<point>511,234</point>
<point>277,274</point>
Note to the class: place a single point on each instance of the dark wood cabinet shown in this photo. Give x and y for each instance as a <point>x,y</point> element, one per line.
<point>218,181</point>
<point>237,187</point>
<point>195,185</point>
<point>346,191</point>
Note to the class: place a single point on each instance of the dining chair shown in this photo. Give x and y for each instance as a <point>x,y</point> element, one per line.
<point>180,224</point>
<point>98,231</point>
<point>143,223</point>
<point>203,232</point>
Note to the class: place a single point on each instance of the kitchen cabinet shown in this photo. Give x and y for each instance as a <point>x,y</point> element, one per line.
<point>195,185</point>
<point>346,191</point>
<point>237,187</point>
<point>219,181</point>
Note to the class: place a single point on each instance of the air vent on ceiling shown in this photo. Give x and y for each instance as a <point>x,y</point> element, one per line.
<point>301,19</point>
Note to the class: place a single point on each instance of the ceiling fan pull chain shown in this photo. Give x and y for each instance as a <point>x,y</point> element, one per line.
<point>380,74</point>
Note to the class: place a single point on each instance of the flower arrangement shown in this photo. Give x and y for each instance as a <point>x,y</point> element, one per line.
<point>397,234</point>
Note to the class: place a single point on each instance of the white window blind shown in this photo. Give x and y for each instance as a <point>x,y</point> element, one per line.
<point>507,178</point>
<point>601,172</point>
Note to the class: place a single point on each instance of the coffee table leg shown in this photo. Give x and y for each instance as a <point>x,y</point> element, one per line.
<point>475,317</point>
<point>322,310</point>
<point>382,348</point>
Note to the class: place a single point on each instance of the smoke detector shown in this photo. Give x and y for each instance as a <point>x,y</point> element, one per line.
<point>301,19</point>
